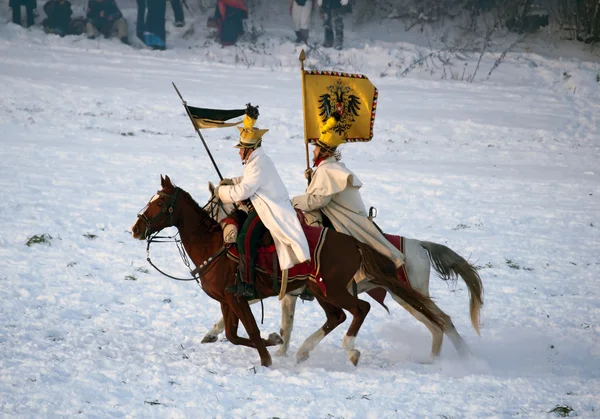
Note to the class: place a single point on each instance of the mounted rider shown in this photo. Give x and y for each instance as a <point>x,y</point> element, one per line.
<point>333,194</point>
<point>263,192</point>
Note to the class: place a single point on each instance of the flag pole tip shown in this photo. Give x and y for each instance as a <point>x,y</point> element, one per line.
<point>302,56</point>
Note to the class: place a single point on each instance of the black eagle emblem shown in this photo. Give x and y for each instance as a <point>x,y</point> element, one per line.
<point>339,100</point>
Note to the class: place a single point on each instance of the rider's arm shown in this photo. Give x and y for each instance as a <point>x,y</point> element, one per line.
<point>247,186</point>
<point>310,202</point>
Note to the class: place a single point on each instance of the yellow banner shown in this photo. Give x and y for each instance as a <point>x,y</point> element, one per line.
<point>352,96</point>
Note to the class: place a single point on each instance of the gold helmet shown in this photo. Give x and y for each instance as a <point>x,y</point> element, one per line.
<point>250,136</point>
<point>329,138</point>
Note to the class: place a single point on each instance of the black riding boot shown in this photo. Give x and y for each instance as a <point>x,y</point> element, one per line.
<point>241,288</point>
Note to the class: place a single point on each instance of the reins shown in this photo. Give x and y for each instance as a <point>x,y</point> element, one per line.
<point>155,238</point>
<point>197,272</point>
<point>203,267</point>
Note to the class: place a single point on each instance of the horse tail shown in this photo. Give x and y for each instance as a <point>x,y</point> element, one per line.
<point>449,266</point>
<point>381,271</point>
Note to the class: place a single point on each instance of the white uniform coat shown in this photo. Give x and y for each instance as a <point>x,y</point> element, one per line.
<point>334,191</point>
<point>262,184</point>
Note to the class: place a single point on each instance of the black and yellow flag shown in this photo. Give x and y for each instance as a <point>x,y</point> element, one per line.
<point>352,96</point>
<point>214,118</point>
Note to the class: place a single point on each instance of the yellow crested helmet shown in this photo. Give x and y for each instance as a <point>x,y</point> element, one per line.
<point>250,136</point>
<point>329,138</point>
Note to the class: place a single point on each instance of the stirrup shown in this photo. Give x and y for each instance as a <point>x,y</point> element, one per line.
<point>241,289</point>
<point>306,295</point>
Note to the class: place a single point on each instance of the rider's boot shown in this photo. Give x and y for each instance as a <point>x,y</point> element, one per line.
<point>241,288</point>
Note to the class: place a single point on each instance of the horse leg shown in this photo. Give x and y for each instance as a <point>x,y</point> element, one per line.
<point>243,313</point>
<point>437,334</point>
<point>288,308</point>
<point>418,271</point>
<point>273,340</point>
<point>337,300</point>
<point>213,334</point>
<point>335,317</point>
<point>359,312</point>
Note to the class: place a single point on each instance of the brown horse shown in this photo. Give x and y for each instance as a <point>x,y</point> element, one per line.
<point>341,258</point>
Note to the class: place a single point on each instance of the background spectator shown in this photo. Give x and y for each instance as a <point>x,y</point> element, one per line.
<point>300,10</point>
<point>104,17</point>
<point>151,23</point>
<point>30,5</point>
<point>58,20</point>
<point>178,13</point>
<point>333,11</point>
<point>229,16</point>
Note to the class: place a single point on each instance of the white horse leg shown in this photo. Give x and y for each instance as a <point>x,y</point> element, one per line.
<point>335,317</point>
<point>288,307</point>
<point>348,345</point>
<point>437,334</point>
<point>418,267</point>
<point>213,334</point>
<point>309,344</point>
<point>418,270</point>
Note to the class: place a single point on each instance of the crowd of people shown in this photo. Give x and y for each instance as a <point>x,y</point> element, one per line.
<point>103,17</point>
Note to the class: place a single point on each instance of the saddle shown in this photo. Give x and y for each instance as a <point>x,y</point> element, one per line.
<point>315,236</point>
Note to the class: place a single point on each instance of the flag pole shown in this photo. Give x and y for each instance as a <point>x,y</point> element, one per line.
<point>302,57</point>
<point>284,272</point>
<point>198,131</point>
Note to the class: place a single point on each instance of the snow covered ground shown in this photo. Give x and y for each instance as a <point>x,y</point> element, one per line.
<point>503,170</point>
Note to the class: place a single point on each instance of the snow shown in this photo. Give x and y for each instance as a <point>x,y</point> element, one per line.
<point>502,170</point>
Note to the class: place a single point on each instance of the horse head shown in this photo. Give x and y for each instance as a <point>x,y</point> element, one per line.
<point>160,212</point>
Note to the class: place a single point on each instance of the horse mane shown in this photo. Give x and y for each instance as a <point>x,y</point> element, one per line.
<point>211,224</point>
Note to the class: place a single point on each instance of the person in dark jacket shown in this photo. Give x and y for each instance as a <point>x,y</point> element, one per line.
<point>151,23</point>
<point>30,5</point>
<point>104,17</point>
<point>58,20</point>
<point>229,15</point>
<point>332,12</point>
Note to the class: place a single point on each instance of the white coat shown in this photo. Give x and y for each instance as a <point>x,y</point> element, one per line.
<point>269,196</point>
<point>334,190</point>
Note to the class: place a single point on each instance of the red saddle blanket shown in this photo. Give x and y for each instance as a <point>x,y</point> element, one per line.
<point>310,270</point>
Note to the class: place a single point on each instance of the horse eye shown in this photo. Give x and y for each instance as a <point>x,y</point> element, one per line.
<point>160,204</point>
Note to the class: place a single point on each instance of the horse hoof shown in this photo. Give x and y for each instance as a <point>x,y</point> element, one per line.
<point>281,351</point>
<point>209,339</point>
<point>354,357</point>
<point>301,357</point>
<point>275,339</point>
<point>266,362</point>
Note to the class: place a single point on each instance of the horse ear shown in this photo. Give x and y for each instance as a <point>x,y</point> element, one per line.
<point>162,180</point>
<point>168,181</point>
<point>211,188</point>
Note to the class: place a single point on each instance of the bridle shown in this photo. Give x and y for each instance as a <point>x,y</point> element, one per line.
<point>153,237</point>
<point>166,211</point>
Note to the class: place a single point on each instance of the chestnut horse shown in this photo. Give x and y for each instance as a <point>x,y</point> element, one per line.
<point>420,257</point>
<point>341,258</point>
